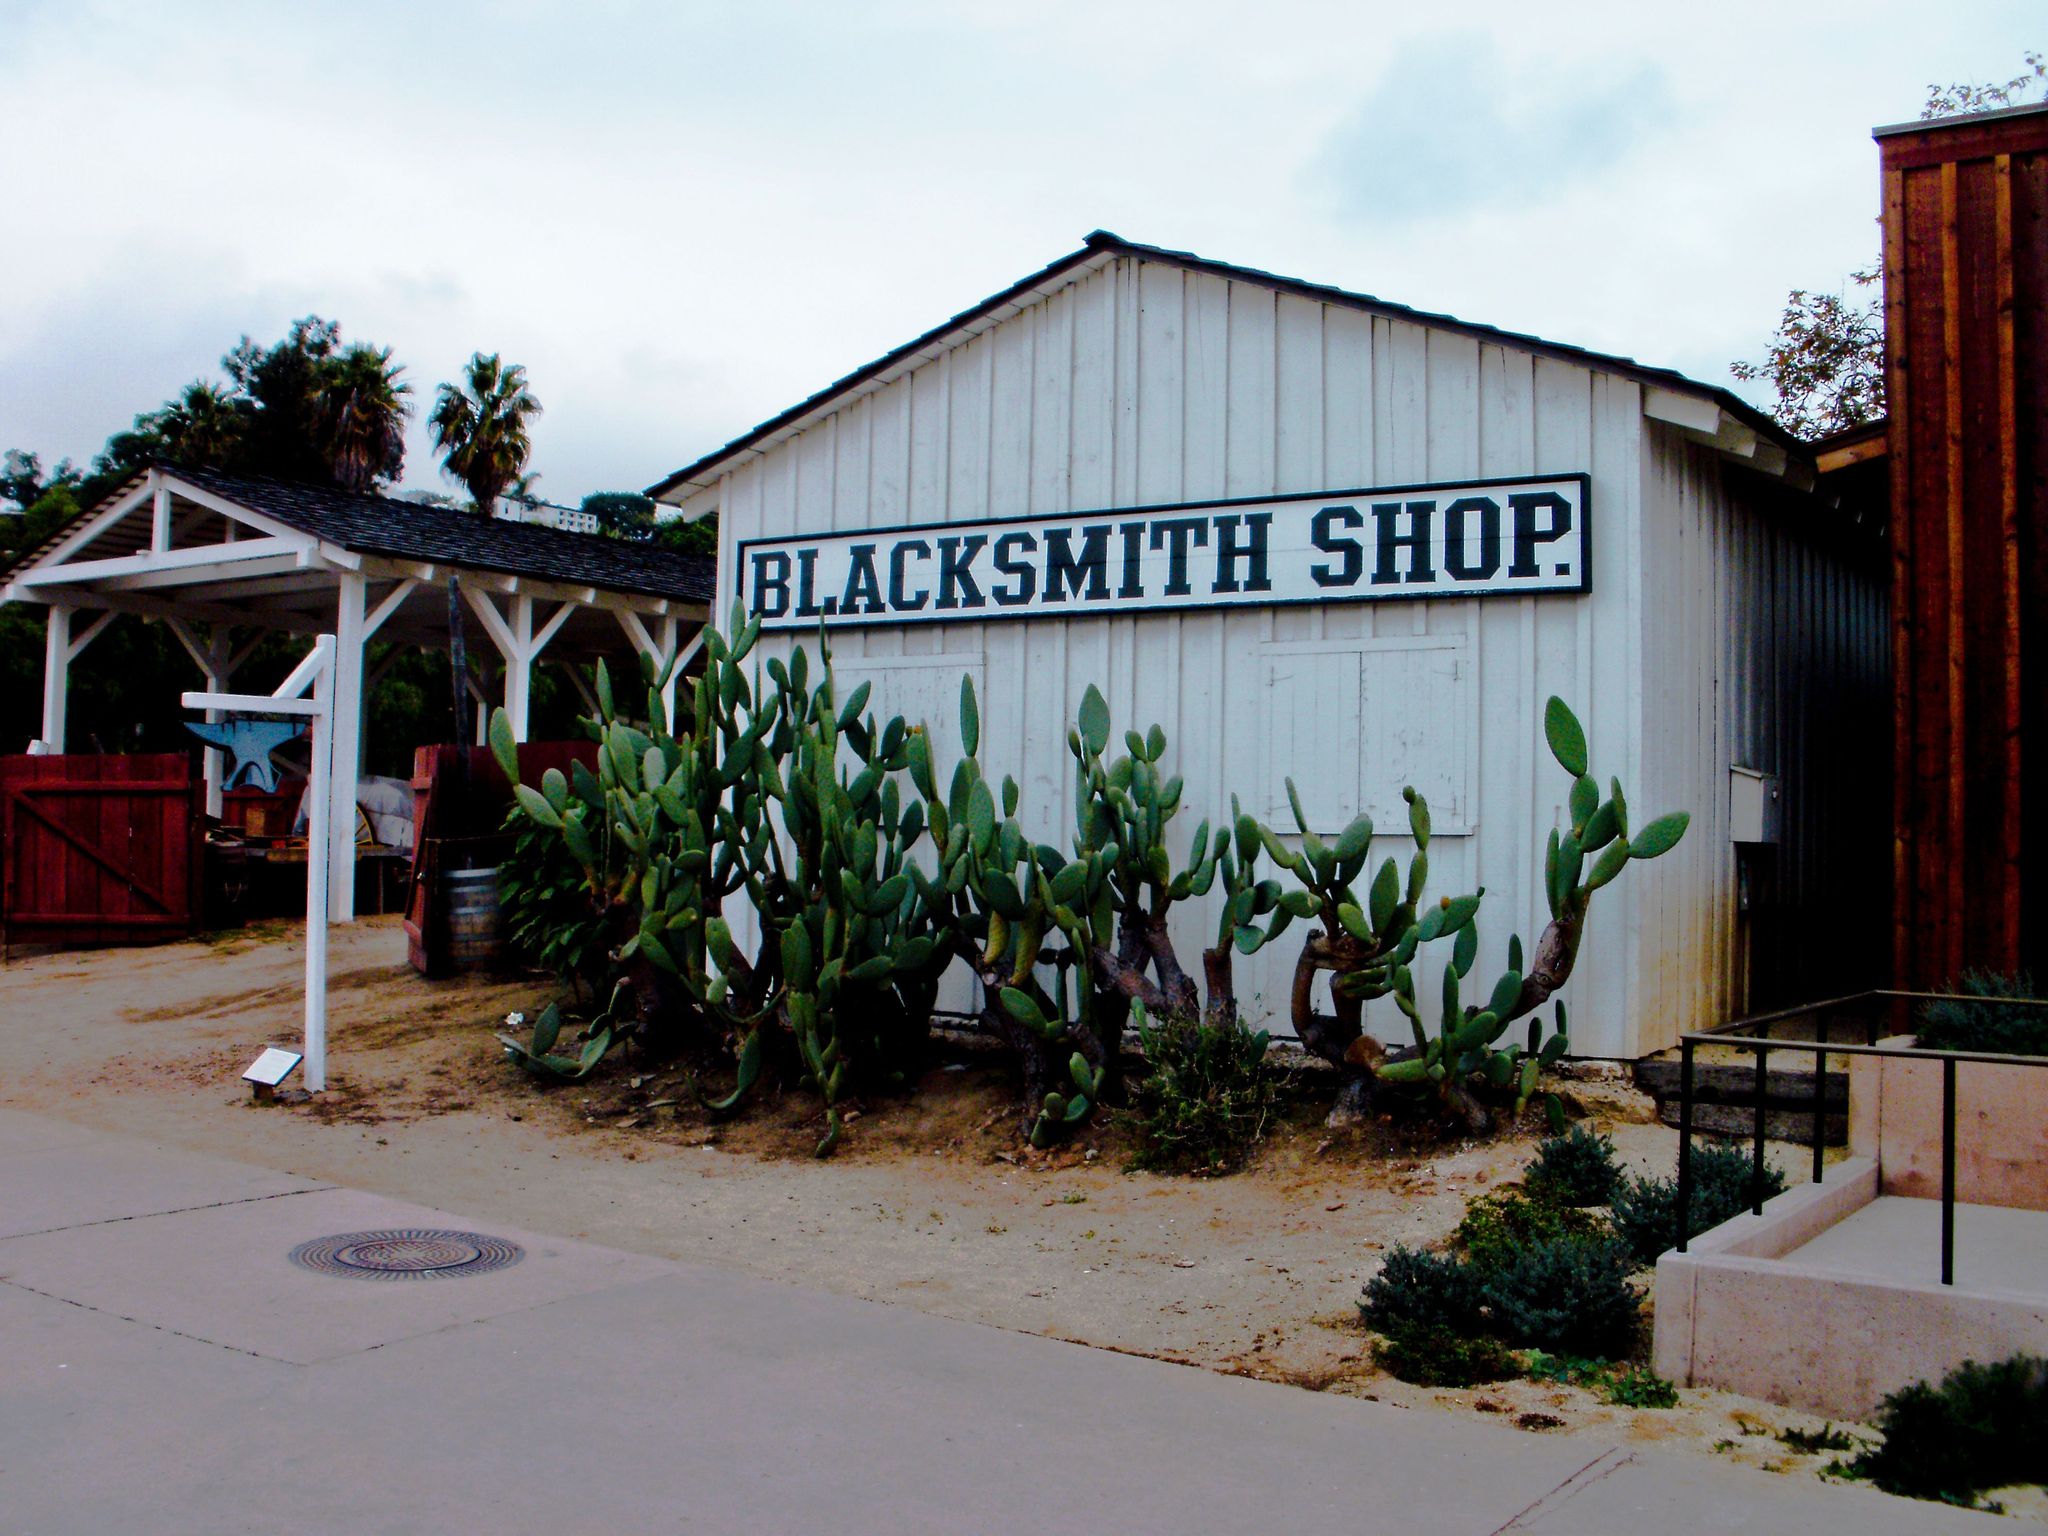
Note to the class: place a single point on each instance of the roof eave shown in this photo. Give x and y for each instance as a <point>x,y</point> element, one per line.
<point>675,488</point>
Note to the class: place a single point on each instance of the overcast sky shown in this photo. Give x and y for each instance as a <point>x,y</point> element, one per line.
<point>682,218</point>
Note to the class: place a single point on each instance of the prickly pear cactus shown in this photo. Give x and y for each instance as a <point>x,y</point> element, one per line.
<point>1370,947</point>
<point>660,830</point>
<point>1366,940</point>
<point>859,964</point>
<point>1023,917</point>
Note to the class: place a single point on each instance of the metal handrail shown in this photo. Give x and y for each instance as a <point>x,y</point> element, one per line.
<point>1732,1034</point>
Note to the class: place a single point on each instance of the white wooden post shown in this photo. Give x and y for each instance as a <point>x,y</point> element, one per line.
<point>219,670</point>
<point>60,649</point>
<point>519,665</point>
<point>160,516</point>
<point>348,745</point>
<point>669,661</point>
<point>56,677</point>
<point>519,644</point>
<point>317,672</point>
<point>216,662</point>
<point>321,864</point>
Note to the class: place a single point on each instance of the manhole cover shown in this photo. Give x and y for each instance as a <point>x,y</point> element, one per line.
<point>407,1253</point>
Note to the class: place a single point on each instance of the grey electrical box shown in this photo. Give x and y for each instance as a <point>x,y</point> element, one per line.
<point>1753,806</point>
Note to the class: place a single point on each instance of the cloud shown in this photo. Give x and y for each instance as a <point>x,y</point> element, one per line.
<point>684,215</point>
<point>1452,126</point>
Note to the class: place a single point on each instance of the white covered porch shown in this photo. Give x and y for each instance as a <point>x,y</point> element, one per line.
<point>223,562</point>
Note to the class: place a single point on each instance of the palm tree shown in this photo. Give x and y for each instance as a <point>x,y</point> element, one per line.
<point>480,426</point>
<point>204,427</point>
<point>360,410</point>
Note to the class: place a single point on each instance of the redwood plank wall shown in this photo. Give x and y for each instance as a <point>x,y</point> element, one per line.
<point>1965,264</point>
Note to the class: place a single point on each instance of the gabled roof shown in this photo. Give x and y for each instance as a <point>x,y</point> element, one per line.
<point>406,530</point>
<point>1101,248</point>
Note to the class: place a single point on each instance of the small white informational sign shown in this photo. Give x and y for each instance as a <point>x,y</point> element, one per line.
<point>272,1067</point>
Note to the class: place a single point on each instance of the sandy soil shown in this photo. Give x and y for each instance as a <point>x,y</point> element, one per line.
<point>929,1204</point>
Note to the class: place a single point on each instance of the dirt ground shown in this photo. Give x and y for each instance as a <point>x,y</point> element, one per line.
<point>930,1203</point>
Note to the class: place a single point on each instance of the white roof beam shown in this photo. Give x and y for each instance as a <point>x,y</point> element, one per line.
<point>91,633</point>
<point>71,573</point>
<point>189,639</point>
<point>233,511</point>
<point>390,604</point>
<point>1735,439</point>
<point>1677,409</point>
<point>548,630</point>
<point>493,622</point>
<point>252,578</point>
<point>154,607</point>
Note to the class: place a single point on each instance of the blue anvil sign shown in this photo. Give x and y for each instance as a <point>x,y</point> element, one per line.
<point>248,742</point>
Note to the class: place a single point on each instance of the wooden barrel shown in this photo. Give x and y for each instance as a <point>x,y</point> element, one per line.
<point>472,902</point>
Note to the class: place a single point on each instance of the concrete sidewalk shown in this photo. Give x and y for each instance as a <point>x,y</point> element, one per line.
<point>164,1368</point>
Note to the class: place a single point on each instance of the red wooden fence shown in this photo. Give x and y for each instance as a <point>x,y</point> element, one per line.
<point>99,849</point>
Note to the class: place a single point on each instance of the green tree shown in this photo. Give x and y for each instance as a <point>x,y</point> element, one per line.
<point>205,425</point>
<point>23,482</point>
<point>307,409</point>
<point>360,415</point>
<point>621,514</point>
<point>282,385</point>
<point>481,426</point>
<point>689,538</point>
<point>1825,365</point>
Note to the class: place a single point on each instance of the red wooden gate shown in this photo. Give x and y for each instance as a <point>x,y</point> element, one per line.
<point>99,849</point>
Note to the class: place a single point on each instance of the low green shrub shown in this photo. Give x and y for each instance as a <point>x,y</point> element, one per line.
<point>1416,1289</point>
<point>1206,1100</point>
<point>1563,1294</point>
<point>1566,1295</point>
<point>1499,1226</point>
<point>1995,1024</point>
<point>1646,1210</point>
<point>1983,1427</point>
<point>1576,1169</point>
<point>1435,1356</point>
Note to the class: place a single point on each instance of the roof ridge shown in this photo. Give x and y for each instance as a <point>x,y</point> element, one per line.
<point>1099,242</point>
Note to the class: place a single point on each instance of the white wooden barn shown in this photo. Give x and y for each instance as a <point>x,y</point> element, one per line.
<point>1648,547</point>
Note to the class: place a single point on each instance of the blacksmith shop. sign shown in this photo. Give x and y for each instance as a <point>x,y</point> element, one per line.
<point>1469,539</point>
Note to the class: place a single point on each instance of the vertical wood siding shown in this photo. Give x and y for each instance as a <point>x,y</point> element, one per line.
<point>1966,330</point>
<point>1144,383</point>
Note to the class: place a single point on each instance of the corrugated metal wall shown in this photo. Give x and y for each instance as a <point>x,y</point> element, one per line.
<point>1144,383</point>
<point>1766,645</point>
